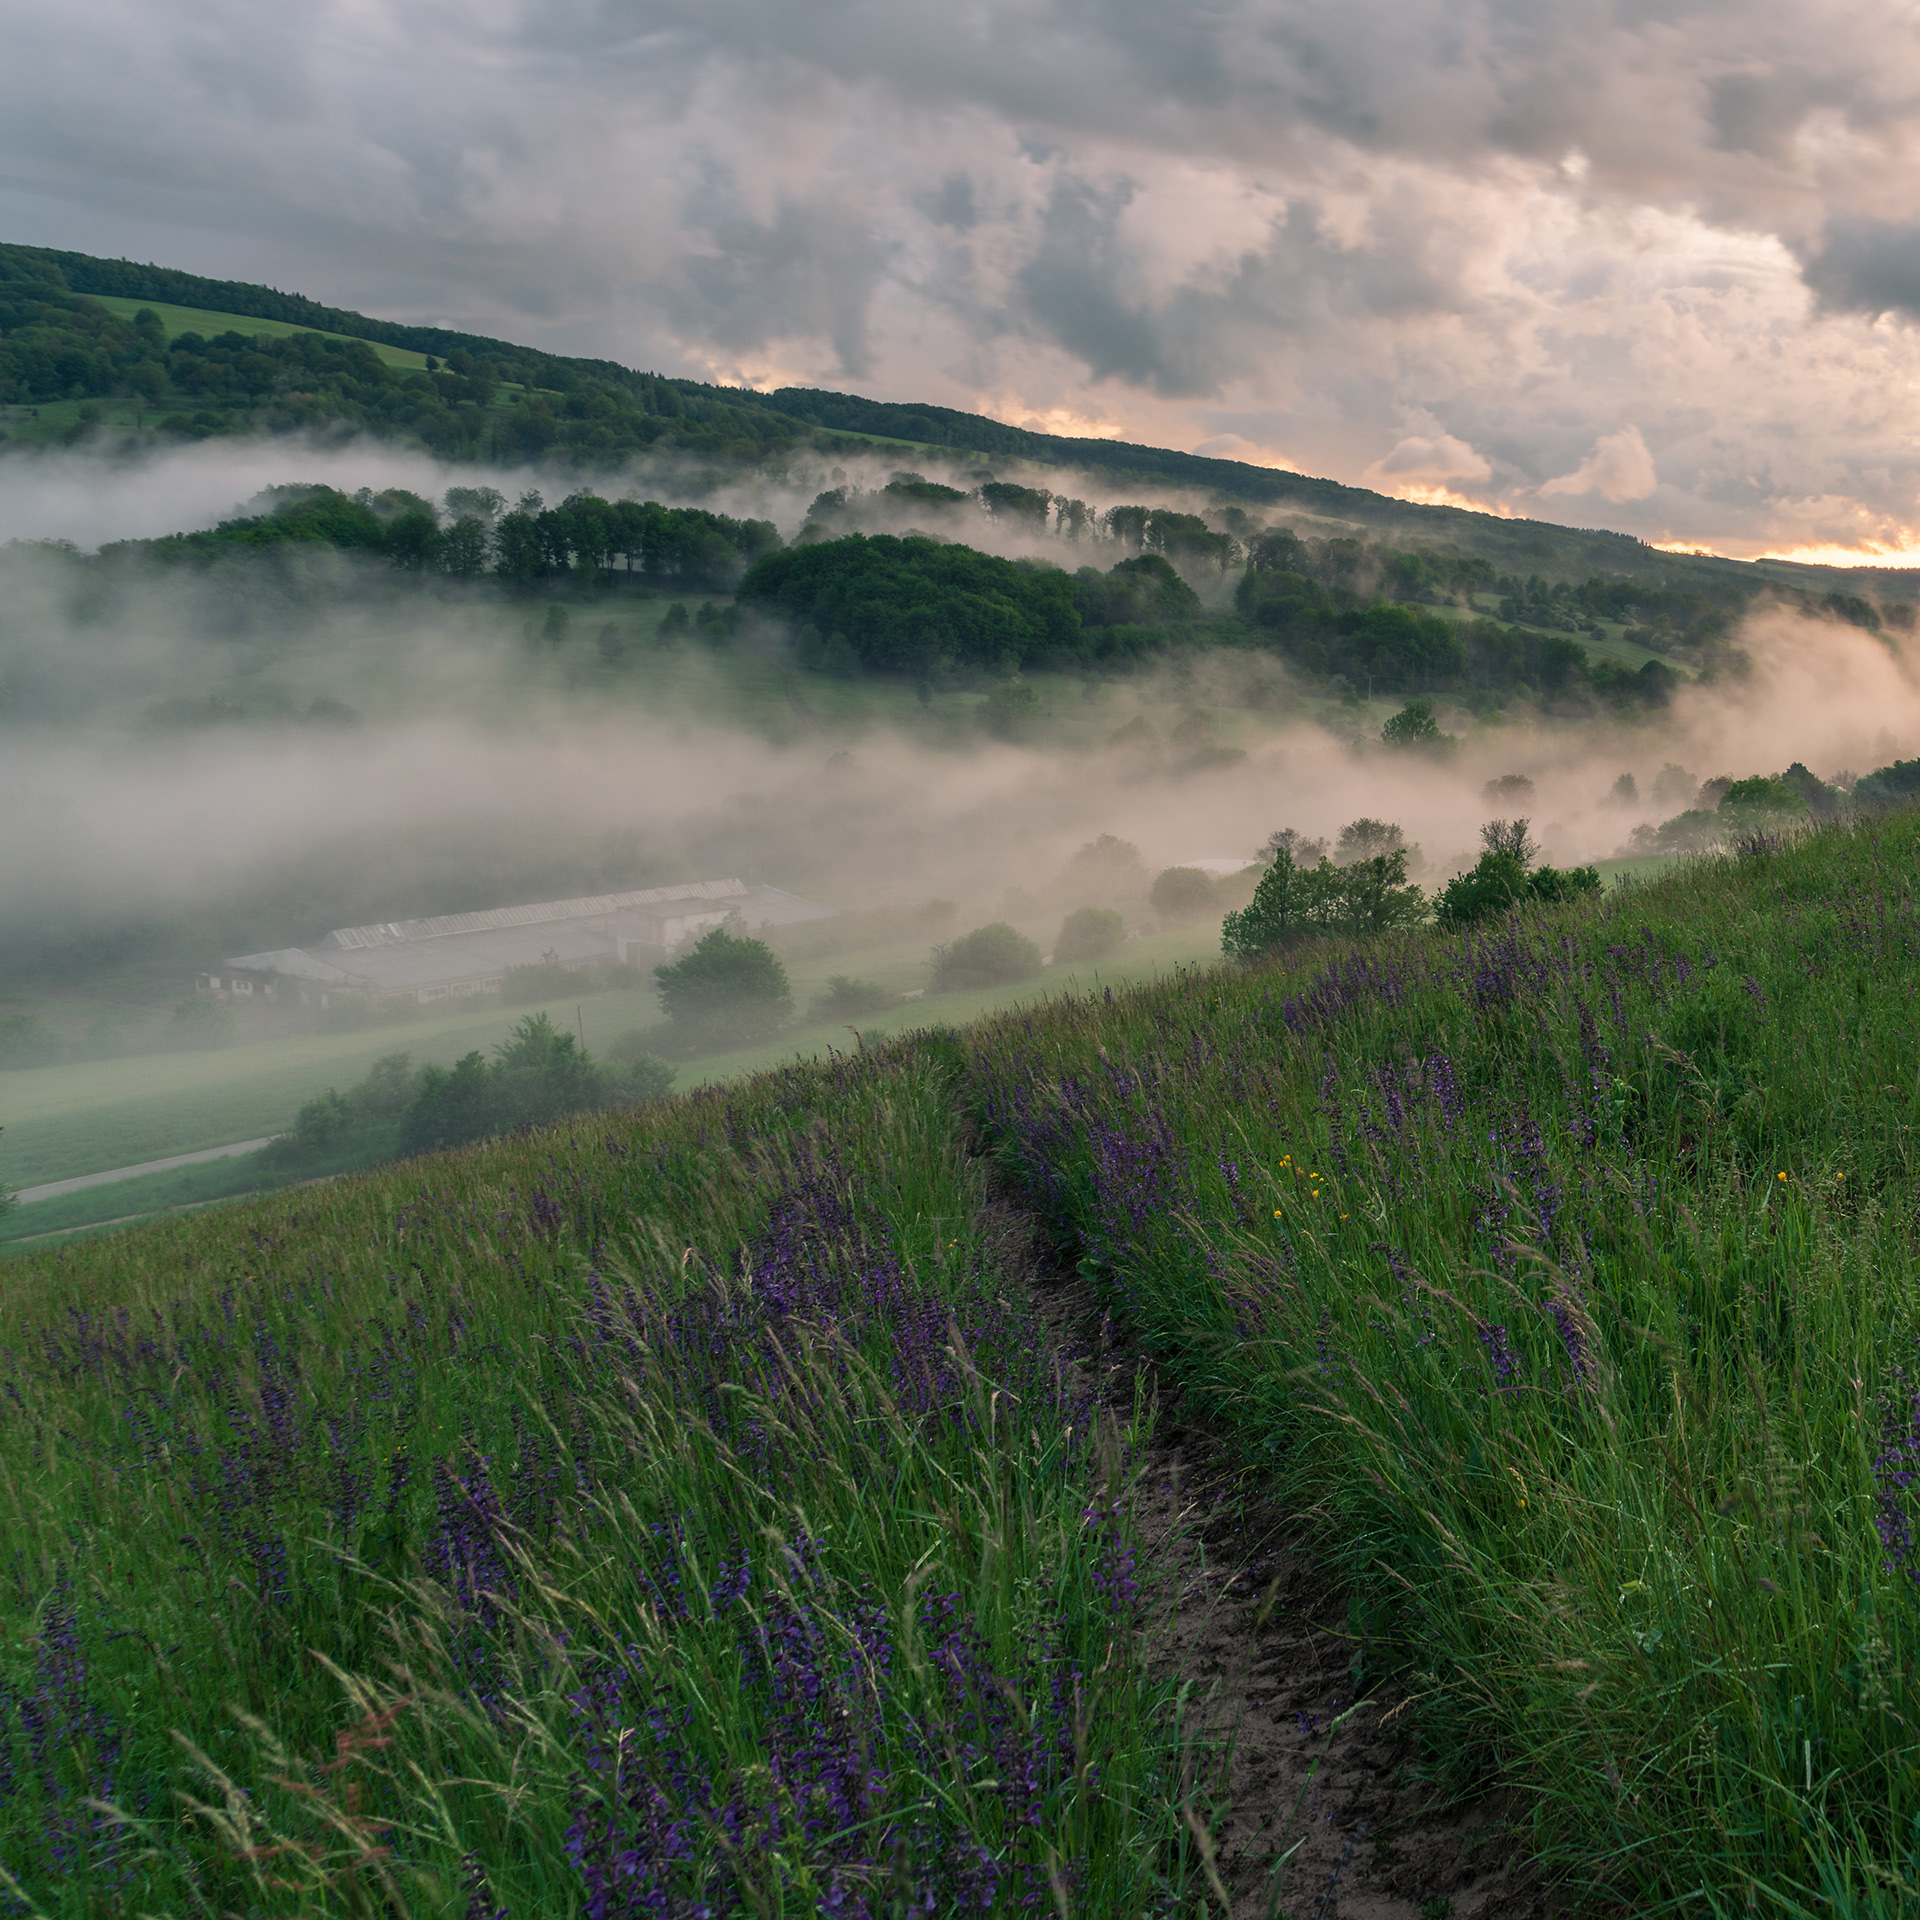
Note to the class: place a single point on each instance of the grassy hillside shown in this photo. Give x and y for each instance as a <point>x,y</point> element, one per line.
<point>495,400</point>
<point>1567,1274</point>
<point>572,1526</point>
<point>1561,1276</point>
<point>178,320</point>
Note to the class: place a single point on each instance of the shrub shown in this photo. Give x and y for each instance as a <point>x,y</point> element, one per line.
<point>537,1074</point>
<point>1498,883</point>
<point>1292,903</point>
<point>1181,894</point>
<point>1089,933</point>
<point>995,955</point>
<point>636,1044</point>
<point>847,998</point>
<point>726,990</point>
<point>1415,726</point>
<point>1011,712</point>
<point>201,1023</point>
<point>1102,872</point>
<point>647,1078</point>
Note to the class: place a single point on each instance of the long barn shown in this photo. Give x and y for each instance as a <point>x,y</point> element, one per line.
<point>452,955</point>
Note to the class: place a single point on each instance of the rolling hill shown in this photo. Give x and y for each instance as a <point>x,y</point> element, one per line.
<point>225,356</point>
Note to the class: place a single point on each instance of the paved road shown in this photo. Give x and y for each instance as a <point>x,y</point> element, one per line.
<point>54,1187</point>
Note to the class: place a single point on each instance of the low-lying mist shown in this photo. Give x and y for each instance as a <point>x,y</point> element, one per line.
<point>192,763</point>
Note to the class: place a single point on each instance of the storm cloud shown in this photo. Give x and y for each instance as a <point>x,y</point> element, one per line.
<point>1662,262</point>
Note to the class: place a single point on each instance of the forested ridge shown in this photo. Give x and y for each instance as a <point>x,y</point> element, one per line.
<point>1349,617</point>
<point>491,400</point>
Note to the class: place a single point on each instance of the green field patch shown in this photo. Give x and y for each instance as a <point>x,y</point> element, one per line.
<point>178,320</point>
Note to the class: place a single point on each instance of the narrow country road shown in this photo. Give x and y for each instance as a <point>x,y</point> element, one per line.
<point>56,1187</point>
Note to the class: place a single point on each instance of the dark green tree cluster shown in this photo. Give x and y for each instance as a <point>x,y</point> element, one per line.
<point>1336,607</point>
<point>585,536</point>
<point>1294,903</point>
<point>669,546</point>
<point>920,606</point>
<point>1506,876</point>
<point>728,991</point>
<point>538,1074</point>
<point>58,345</point>
<point>926,607</point>
<point>1889,786</point>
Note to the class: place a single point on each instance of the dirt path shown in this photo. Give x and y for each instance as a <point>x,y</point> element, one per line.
<point>1324,1812</point>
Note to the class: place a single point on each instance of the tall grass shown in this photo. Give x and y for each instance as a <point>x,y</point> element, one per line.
<point>1566,1276</point>
<point>676,1512</point>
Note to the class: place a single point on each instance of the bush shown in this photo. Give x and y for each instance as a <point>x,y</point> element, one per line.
<point>847,998</point>
<point>996,955</point>
<point>636,1044</point>
<point>1498,883</point>
<point>646,1079</point>
<point>1181,894</point>
<point>1089,933</point>
<point>727,990</point>
<point>1102,872</point>
<point>1415,726</point>
<point>361,1116</point>
<point>1292,903</point>
<point>27,1042</point>
<point>538,1074</point>
<point>1011,712</point>
<point>201,1023</point>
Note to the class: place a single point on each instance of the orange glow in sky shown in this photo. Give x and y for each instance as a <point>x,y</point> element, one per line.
<point>1907,555</point>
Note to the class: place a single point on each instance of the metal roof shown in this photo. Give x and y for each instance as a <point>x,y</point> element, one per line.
<point>297,963</point>
<point>542,913</point>
<point>461,948</point>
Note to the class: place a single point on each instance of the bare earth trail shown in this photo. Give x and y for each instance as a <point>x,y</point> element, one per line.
<point>1262,1639</point>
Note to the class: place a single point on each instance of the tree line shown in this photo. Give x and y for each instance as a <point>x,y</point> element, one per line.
<point>475,533</point>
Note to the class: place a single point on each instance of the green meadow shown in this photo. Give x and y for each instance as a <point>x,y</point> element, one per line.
<point>84,1118</point>
<point>682,1506</point>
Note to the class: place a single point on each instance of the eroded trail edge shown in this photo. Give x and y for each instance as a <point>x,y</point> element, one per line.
<point>1308,1761</point>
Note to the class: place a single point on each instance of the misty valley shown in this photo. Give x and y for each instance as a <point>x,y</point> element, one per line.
<point>769,1153</point>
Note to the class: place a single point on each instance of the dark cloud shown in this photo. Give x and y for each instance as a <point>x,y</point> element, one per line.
<point>1868,266</point>
<point>1522,227</point>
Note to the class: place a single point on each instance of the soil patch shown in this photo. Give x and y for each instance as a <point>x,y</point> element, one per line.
<point>1321,1808</point>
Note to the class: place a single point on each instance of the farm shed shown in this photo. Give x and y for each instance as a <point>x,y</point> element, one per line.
<point>452,955</point>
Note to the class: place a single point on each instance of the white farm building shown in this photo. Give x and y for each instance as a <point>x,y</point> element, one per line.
<point>455,954</point>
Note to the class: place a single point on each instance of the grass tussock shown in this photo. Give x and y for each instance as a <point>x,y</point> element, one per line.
<point>1566,1274</point>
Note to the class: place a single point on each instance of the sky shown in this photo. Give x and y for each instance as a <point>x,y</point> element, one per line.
<point>1603,262</point>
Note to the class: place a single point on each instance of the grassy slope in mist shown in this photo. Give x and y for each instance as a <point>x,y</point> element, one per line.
<point>1563,1274</point>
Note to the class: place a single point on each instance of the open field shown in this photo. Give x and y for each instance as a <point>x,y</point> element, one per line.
<point>179,320</point>
<point>68,1120</point>
<point>1567,1273</point>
